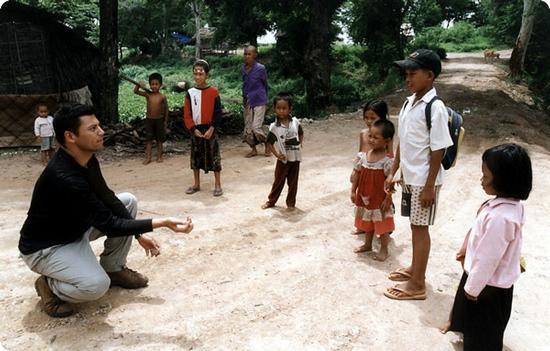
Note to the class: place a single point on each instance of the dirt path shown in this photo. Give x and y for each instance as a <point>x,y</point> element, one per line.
<point>248,279</point>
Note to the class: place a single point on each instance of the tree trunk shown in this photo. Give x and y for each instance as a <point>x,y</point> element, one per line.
<point>195,7</point>
<point>520,48</point>
<point>108,45</point>
<point>317,54</point>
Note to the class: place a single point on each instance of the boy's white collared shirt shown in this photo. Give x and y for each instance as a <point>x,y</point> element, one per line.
<point>416,142</point>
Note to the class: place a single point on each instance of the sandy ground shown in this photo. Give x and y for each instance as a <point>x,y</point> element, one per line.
<point>252,279</point>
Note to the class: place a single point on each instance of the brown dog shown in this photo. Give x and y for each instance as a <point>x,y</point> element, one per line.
<point>490,55</point>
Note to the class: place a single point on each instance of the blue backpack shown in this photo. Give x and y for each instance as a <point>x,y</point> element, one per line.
<point>456,131</point>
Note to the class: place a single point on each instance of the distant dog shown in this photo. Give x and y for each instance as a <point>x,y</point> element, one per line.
<point>490,55</point>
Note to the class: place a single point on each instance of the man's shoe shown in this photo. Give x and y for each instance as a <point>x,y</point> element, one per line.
<point>128,279</point>
<point>53,305</point>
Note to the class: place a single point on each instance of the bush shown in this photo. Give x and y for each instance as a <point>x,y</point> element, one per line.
<point>462,37</point>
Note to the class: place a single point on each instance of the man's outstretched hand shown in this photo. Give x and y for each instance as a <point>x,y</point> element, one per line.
<point>149,244</point>
<point>179,226</point>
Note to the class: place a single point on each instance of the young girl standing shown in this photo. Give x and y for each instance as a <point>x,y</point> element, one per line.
<point>202,116</point>
<point>490,254</point>
<point>285,140</point>
<point>373,110</point>
<point>374,211</point>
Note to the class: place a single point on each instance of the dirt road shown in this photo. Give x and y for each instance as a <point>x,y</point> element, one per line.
<point>252,279</point>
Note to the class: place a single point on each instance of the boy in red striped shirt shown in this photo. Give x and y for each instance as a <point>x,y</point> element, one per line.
<point>202,116</point>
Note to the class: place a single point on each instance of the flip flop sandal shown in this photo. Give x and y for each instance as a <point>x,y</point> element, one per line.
<point>218,192</point>
<point>399,275</point>
<point>404,294</point>
<point>192,190</point>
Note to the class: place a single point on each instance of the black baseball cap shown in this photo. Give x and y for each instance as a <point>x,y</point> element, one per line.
<point>421,58</point>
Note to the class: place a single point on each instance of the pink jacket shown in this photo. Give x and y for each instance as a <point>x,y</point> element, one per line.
<point>493,245</point>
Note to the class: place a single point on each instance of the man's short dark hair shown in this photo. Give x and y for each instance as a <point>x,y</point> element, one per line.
<point>155,76</point>
<point>67,118</point>
<point>386,126</point>
<point>510,166</point>
<point>283,96</point>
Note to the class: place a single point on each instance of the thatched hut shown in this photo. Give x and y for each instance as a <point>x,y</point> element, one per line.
<point>41,61</point>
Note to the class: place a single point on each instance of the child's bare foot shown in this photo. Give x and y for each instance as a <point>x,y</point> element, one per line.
<point>363,248</point>
<point>382,255</point>
<point>445,327</point>
<point>290,208</point>
<point>357,231</point>
<point>267,205</point>
<point>252,153</point>
<point>146,161</point>
<point>160,160</point>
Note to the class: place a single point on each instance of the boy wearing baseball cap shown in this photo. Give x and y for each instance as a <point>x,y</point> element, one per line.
<point>419,154</point>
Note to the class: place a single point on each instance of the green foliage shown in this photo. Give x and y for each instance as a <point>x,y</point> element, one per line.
<point>503,18</point>
<point>457,10</point>
<point>377,24</point>
<point>462,37</point>
<point>80,15</point>
<point>148,24</point>
<point>425,13</point>
<point>239,21</point>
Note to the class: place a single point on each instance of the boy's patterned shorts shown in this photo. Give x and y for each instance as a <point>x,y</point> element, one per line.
<point>411,207</point>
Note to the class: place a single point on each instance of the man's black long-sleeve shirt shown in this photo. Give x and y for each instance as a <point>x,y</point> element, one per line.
<point>67,200</point>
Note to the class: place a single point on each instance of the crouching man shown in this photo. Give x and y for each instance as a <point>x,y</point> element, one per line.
<point>72,205</point>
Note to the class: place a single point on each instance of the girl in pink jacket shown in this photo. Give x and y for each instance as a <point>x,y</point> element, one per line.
<point>490,254</point>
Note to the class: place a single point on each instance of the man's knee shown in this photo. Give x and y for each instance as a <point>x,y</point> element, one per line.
<point>94,287</point>
<point>130,201</point>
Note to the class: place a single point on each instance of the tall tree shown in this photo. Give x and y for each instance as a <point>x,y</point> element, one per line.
<point>520,48</point>
<point>377,24</point>
<point>239,21</point>
<point>108,45</point>
<point>149,24</point>
<point>317,53</point>
<point>196,9</point>
<point>425,13</point>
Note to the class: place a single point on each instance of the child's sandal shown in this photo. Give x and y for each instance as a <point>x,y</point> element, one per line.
<point>192,190</point>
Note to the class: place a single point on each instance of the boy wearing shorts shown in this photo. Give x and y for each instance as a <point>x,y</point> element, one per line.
<point>157,115</point>
<point>419,154</point>
<point>43,130</point>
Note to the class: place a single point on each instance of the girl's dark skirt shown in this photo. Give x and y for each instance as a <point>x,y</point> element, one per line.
<point>205,154</point>
<point>483,321</point>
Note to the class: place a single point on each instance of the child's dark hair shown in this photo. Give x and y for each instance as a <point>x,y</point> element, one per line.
<point>40,104</point>
<point>67,118</point>
<point>377,106</point>
<point>388,130</point>
<point>510,166</point>
<point>155,76</point>
<point>284,96</point>
<point>202,63</point>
